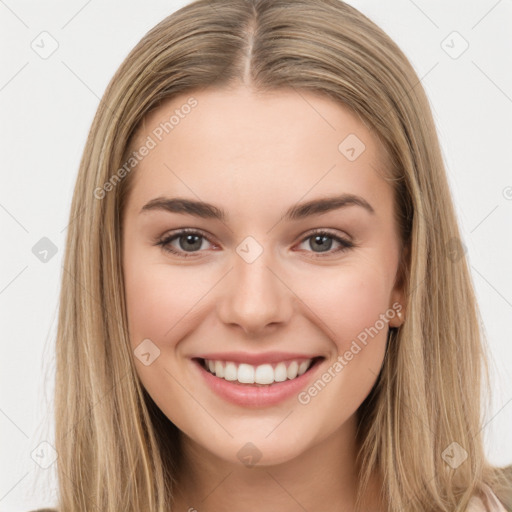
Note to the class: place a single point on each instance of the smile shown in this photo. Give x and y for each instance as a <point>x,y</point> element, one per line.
<point>258,385</point>
<point>264,374</point>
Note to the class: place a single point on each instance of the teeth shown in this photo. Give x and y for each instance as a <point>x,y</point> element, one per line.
<point>262,374</point>
<point>292,370</point>
<point>219,369</point>
<point>246,374</point>
<point>230,371</point>
<point>302,367</point>
<point>280,374</point>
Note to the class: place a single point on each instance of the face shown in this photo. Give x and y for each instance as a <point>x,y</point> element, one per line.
<point>259,234</point>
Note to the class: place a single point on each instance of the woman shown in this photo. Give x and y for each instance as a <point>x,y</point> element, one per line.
<point>265,288</point>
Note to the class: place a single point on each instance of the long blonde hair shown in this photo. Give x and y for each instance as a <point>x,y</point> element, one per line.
<point>117,451</point>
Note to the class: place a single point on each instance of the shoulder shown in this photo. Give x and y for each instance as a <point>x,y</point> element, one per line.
<point>486,502</point>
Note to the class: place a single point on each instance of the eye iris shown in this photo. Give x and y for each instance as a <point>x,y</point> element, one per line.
<point>194,240</point>
<point>320,242</point>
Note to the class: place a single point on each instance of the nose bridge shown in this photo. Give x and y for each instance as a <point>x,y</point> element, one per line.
<point>255,297</point>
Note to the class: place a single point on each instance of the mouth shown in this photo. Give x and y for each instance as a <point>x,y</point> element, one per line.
<point>260,385</point>
<point>256,376</point>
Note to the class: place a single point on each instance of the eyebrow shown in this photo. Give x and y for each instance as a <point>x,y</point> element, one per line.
<point>296,212</point>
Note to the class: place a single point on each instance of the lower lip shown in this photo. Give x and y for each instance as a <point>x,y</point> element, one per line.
<point>246,395</point>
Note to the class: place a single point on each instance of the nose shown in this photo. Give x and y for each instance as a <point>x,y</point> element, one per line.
<point>255,297</point>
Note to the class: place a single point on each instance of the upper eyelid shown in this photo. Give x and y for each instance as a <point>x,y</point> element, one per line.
<point>180,232</point>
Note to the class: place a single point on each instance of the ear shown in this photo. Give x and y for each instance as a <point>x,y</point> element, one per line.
<point>398,294</point>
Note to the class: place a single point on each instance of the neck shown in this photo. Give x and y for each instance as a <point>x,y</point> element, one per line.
<point>325,474</point>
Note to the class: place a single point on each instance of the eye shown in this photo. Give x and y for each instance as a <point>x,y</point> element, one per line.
<point>184,241</point>
<point>321,241</point>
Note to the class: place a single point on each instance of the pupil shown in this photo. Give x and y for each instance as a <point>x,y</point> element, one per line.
<point>320,241</point>
<point>190,240</point>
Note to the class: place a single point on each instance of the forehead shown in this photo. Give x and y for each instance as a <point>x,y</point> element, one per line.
<point>277,146</point>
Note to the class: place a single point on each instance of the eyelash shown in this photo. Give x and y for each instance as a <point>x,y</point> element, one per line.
<point>345,245</point>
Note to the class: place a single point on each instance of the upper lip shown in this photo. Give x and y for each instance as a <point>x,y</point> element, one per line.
<point>255,359</point>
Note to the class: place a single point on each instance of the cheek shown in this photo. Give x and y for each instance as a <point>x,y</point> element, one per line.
<point>162,305</point>
<point>352,306</point>
<point>347,300</point>
<point>161,299</point>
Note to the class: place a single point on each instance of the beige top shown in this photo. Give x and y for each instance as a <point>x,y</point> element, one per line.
<point>488,502</point>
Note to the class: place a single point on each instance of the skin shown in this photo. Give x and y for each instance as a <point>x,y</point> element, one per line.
<point>255,155</point>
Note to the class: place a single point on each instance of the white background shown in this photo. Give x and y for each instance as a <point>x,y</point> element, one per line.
<point>47,107</point>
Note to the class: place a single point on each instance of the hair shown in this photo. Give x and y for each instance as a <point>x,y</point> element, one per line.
<point>117,450</point>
